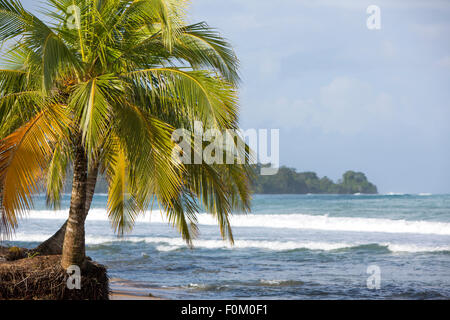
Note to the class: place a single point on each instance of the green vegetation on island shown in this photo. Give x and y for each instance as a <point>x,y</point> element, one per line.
<point>289,181</point>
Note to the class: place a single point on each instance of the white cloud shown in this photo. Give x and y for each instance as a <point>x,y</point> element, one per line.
<point>346,106</point>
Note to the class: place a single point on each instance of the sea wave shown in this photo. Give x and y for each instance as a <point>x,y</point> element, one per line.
<point>324,222</point>
<point>233,284</point>
<point>280,283</point>
<point>416,248</point>
<point>287,221</point>
<point>165,244</point>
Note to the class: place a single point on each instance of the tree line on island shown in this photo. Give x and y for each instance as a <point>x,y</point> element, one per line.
<point>289,181</point>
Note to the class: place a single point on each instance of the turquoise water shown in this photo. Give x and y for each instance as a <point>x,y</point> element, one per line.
<point>289,247</point>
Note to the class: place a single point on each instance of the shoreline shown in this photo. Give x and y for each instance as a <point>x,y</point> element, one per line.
<point>131,295</point>
<point>121,289</point>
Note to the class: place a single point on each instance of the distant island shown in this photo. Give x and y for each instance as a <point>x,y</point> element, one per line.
<point>289,181</point>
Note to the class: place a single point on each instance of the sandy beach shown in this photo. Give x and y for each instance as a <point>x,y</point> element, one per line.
<point>124,290</point>
<point>127,295</point>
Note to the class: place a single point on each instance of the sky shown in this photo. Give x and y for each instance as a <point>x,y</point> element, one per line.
<point>345,97</point>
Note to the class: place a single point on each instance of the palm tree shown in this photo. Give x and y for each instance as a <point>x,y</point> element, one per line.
<point>101,89</point>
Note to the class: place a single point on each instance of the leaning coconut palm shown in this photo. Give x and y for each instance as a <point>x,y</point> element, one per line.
<point>101,89</point>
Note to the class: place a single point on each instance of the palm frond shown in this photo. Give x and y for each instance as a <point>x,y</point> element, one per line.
<point>182,215</point>
<point>171,16</point>
<point>56,174</point>
<point>206,97</point>
<point>91,101</point>
<point>37,36</point>
<point>19,106</point>
<point>203,47</point>
<point>128,74</point>
<point>12,19</point>
<point>23,157</point>
<point>148,146</point>
<point>122,207</point>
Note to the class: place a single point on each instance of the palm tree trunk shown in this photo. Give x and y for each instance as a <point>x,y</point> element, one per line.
<point>90,190</point>
<point>54,244</point>
<point>73,252</point>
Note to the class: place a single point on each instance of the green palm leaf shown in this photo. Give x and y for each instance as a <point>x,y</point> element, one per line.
<point>121,81</point>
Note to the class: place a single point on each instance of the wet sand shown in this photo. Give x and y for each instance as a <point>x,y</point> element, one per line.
<point>127,295</point>
<point>123,290</point>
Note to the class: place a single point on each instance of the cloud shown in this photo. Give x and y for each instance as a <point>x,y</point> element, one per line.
<point>313,70</point>
<point>346,106</point>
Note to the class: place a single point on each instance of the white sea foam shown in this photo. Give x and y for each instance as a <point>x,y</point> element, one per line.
<point>165,244</point>
<point>416,248</point>
<point>266,282</point>
<point>288,221</point>
<point>271,282</point>
<point>167,248</point>
<point>169,244</point>
<point>324,222</point>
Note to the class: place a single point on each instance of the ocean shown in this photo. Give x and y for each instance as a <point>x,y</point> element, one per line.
<point>393,246</point>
